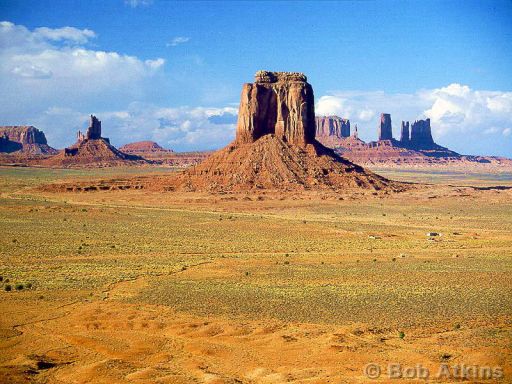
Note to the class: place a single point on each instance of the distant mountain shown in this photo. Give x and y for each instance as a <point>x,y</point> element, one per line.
<point>144,147</point>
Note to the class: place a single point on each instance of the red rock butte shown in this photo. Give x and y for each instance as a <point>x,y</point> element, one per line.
<point>279,103</point>
<point>275,146</point>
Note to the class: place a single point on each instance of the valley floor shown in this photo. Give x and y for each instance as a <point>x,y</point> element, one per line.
<point>147,287</point>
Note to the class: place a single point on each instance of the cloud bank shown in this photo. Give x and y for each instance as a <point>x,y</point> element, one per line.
<point>53,67</point>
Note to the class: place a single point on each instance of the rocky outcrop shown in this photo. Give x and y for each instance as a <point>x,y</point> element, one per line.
<point>404,133</point>
<point>385,130</point>
<point>421,135</point>
<point>24,138</point>
<point>332,126</point>
<point>93,150</point>
<point>94,130</point>
<point>278,103</point>
<point>275,147</point>
<point>144,147</point>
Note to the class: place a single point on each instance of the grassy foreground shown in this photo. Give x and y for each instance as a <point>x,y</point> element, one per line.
<point>103,283</point>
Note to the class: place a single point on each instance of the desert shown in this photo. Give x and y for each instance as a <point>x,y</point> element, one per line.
<point>289,233</point>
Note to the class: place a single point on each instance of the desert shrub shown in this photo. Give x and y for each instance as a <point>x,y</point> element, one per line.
<point>19,287</point>
<point>287,262</point>
<point>246,273</point>
<point>445,356</point>
<point>394,259</point>
<point>457,326</point>
<point>8,288</point>
<point>29,285</point>
<point>1,278</point>
<point>401,335</point>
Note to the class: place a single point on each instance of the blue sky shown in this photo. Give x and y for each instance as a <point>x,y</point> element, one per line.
<point>168,67</point>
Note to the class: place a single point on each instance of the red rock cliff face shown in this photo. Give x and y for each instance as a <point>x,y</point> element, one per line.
<point>385,131</point>
<point>24,138</point>
<point>280,103</point>
<point>332,126</point>
<point>24,134</point>
<point>421,135</point>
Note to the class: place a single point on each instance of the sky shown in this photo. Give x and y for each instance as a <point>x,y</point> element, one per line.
<point>172,72</point>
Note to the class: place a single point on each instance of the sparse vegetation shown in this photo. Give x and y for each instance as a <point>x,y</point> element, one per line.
<point>265,267</point>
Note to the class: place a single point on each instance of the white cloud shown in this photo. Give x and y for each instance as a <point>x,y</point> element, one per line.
<point>51,67</point>
<point>31,71</point>
<point>20,38</point>
<point>80,36</point>
<point>462,118</point>
<point>178,40</point>
<point>138,3</point>
<point>366,115</point>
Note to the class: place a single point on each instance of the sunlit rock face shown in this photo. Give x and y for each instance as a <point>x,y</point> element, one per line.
<point>278,103</point>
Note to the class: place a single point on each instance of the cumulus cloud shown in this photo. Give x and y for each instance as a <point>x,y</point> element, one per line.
<point>54,67</point>
<point>467,120</point>
<point>20,38</point>
<point>178,40</point>
<point>80,36</point>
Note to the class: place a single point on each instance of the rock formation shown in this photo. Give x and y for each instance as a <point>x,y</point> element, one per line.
<point>26,139</point>
<point>94,130</point>
<point>404,133</point>
<point>275,146</point>
<point>421,135</point>
<point>279,103</point>
<point>416,148</point>
<point>93,150</point>
<point>143,147</point>
<point>385,131</point>
<point>332,126</point>
<point>332,131</point>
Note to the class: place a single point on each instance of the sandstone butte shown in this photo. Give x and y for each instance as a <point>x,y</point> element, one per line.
<point>275,146</point>
<point>24,139</point>
<point>415,148</point>
<point>92,149</point>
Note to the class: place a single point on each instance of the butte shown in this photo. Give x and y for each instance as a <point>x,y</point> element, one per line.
<point>275,147</point>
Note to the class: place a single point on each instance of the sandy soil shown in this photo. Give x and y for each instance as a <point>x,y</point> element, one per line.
<point>147,287</point>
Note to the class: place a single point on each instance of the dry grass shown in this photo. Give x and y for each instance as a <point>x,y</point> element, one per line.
<point>225,283</point>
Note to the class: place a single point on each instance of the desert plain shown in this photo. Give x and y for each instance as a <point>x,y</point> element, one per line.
<point>140,286</point>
